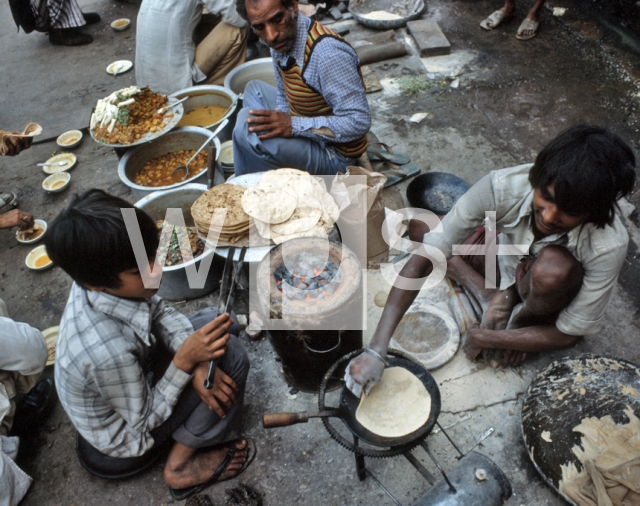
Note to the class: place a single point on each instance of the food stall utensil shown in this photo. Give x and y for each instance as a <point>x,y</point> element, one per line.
<point>162,110</point>
<point>186,167</point>
<point>230,279</point>
<point>58,164</point>
<point>484,436</point>
<point>115,69</point>
<point>211,166</point>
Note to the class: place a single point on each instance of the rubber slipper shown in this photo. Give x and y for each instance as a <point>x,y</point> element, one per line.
<point>494,20</point>
<point>8,201</point>
<point>527,24</point>
<point>381,152</point>
<point>396,175</point>
<point>179,494</point>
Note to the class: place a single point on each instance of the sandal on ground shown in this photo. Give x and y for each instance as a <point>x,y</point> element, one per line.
<point>179,494</point>
<point>494,20</point>
<point>379,151</point>
<point>91,18</point>
<point>69,37</point>
<point>8,201</point>
<point>527,24</point>
<point>397,174</point>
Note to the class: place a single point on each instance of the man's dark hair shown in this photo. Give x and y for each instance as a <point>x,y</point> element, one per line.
<point>242,8</point>
<point>590,168</point>
<point>89,239</point>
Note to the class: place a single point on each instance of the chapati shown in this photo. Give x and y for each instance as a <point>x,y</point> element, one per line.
<point>398,405</point>
<point>270,202</point>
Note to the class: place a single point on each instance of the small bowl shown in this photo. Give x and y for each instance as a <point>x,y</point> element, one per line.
<point>56,182</point>
<point>42,225</point>
<point>120,24</point>
<point>51,339</point>
<point>70,158</point>
<point>226,153</point>
<point>69,139</point>
<point>35,260</point>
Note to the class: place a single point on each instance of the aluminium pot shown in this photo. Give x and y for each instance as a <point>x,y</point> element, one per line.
<point>180,138</point>
<point>260,70</point>
<point>211,94</point>
<point>175,284</point>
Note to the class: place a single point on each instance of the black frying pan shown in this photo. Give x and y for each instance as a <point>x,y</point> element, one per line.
<point>346,410</point>
<point>436,191</point>
<point>565,393</point>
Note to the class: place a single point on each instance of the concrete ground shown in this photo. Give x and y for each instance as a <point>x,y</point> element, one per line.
<point>512,98</point>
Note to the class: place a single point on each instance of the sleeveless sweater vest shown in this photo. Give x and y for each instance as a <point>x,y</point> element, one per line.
<point>304,101</point>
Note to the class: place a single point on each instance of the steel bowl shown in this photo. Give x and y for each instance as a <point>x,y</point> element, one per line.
<point>180,138</point>
<point>202,96</point>
<point>412,9</point>
<point>175,284</point>
<point>260,69</point>
<point>436,191</point>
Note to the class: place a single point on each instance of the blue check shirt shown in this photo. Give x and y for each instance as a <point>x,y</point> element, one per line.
<point>332,70</point>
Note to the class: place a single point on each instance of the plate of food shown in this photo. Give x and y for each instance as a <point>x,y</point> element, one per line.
<point>129,117</point>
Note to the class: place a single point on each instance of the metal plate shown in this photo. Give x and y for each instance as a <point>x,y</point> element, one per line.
<point>436,191</point>
<point>167,124</point>
<point>564,394</point>
<point>411,9</point>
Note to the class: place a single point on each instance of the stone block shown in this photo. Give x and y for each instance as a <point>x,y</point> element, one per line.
<point>429,38</point>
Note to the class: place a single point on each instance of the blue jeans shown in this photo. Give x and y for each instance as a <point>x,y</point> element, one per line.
<point>251,154</point>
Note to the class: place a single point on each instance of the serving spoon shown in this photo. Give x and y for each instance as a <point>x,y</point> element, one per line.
<point>185,168</point>
<point>52,163</point>
<point>162,110</point>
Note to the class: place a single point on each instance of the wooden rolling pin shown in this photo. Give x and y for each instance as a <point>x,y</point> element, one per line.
<point>372,53</point>
<point>271,420</point>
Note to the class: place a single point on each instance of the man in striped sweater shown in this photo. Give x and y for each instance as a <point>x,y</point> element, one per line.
<point>316,118</point>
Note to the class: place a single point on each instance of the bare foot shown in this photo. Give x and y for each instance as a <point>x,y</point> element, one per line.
<point>187,467</point>
<point>498,312</point>
<point>506,358</point>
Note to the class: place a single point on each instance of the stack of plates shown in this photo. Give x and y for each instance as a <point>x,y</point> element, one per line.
<point>226,159</point>
<point>224,196</point>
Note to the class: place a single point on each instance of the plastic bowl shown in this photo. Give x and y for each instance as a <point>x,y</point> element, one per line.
<point>53,182</point>
<point>40,224</point>
<point>69,139</point>
<point>120,24</point>
<point>35,259</point>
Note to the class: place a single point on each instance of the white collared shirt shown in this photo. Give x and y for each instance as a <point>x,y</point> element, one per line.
<point>601,251</point>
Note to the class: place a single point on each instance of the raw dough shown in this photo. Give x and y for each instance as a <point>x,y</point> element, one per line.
<point>395,407</point>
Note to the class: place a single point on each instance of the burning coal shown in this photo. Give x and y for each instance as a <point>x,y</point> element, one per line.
<point>307,282</point>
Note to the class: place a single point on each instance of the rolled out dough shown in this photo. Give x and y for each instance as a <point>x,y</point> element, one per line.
<point>398,405</point>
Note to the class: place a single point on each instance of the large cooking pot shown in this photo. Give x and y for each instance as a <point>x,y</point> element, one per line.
<point>175,285</point>
<point>210,94</point>
<point>180,138</point>
<point>260,69</point>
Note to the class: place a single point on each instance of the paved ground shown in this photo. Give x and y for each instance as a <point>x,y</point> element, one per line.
<point>512,98</point>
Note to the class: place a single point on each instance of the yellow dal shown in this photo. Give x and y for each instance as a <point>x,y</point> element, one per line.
<point>42,260</point>
<point>58,184</point>
<point>203,116</point>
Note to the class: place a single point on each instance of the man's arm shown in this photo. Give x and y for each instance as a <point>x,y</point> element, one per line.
<point>23,348</point>
<point>226,9</point>
<point>171,326</point>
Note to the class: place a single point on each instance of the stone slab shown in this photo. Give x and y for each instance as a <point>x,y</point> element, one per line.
<point>429,37</point>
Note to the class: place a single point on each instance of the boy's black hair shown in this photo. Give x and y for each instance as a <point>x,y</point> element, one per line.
<point>89,239</point>
<point>590,168</point>
<point>242,8</point>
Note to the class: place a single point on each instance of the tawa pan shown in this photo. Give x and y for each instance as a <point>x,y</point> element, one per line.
<point>349,402</point>
<point>436,191</point>
<point>565,393</point>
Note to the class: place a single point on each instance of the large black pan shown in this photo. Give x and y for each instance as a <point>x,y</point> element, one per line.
<point>564,394</point>
<point>346,410</point>
<point>436,191</point>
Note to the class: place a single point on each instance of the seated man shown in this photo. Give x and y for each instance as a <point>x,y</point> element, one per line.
<point>111,334</point>
<point>563,209</point>
<point>317,117</point>
<point>23,357</point>
<point>167,59</point>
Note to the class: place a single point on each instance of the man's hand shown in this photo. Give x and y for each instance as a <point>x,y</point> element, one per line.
<point>221,396</point>
<point>16,218</point>
<point>273,123</point>
<point>17,144</point>
<point>363,373</point>
<point>205,344</point>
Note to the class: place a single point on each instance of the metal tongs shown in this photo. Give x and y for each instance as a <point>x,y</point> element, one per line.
<point>230,279</point>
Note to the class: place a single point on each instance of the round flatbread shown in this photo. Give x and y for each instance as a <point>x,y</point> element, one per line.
<point>270,202</point>
<point>398,405</point>
<point>302,219</point>
<point>317,231</point>
<point>227,196</point>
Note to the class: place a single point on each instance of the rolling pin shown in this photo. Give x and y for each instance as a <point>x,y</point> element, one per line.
<point>271,420</point>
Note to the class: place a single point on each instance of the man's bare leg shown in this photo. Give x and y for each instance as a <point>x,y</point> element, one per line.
<point>534,15</point>
<point>465,275</point>
<point>187,467</point>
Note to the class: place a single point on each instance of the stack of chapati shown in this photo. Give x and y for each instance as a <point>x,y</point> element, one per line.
<point>290,203</point>
<point>223,196</point>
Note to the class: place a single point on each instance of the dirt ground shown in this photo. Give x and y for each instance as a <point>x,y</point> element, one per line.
<point>512,98</point>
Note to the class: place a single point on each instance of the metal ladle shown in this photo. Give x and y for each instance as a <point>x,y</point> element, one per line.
<point>185,168</point>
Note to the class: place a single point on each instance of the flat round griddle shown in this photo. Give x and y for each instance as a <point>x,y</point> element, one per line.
<point>436,191</point>
<point>349,404</point>
<point>565,393</point>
